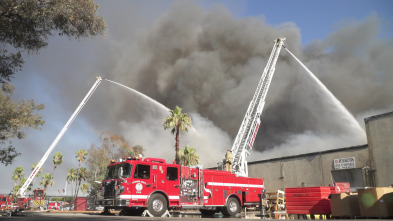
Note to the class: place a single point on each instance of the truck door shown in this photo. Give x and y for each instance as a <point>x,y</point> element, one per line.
<point>142,184</point>
<point>173,184</point>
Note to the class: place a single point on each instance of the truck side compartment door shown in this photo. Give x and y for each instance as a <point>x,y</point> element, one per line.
<point>173,184</point>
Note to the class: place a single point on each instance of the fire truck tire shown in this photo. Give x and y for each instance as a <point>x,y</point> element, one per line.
<point>131,212</point>
<point>231,208</point>
<point>208,212</point>
<point>157,205</point>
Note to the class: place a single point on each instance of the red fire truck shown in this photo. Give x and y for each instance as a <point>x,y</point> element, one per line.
<point>135,185</point>
<point>152,185</point>
<point>4,200</point>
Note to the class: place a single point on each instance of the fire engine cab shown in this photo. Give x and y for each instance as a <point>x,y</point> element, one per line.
<point>135,185</point>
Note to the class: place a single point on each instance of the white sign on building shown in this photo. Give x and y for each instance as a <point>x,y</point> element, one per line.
<point>344,163</point>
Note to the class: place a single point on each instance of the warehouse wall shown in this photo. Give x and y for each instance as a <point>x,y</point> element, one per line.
<point>373,161</point>
<point>312,169</point>
<point>380,140</point>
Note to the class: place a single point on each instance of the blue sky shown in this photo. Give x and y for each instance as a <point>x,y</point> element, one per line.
<point>41,80</point>
<point>315,18</point>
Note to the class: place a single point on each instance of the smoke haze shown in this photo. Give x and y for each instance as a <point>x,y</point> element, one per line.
<point>209,63</point>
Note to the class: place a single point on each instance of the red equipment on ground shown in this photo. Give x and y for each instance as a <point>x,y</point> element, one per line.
<point>135,185</point>
<point>312,200</point>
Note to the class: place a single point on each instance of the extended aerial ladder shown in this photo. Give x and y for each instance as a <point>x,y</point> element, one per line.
<point>23,189</point>
<point>248,129</point>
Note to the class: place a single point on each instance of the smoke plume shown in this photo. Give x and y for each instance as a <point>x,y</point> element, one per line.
<point>209,63</point>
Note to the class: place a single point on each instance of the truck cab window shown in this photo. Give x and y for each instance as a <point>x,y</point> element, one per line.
<point>172,173</point>
<point>112,172</point>
<point>142,171</point>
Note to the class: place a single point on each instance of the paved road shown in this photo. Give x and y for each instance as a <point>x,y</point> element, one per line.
<point>46,216</point>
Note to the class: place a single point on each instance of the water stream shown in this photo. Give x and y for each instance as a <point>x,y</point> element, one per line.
<point>142,95</point>
<point>158,104</point>
<point>345,114</point>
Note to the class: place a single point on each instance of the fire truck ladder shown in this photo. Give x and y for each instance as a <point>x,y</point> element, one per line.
<point>249,127</point>
<point>22,190</point>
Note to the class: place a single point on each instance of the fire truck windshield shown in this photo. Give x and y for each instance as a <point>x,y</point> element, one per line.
<point>122,170</point>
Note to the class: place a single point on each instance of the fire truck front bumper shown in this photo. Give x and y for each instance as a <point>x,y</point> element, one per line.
<point>112,202</point>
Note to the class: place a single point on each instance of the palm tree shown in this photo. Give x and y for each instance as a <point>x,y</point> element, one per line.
<point>177,121</point>
<point>47,180</point>
<point>17,174</point>
<point>71,177</point>
<point>38,173</point>
<point>81,175</point>
<point>57,160</point>
<point>188,156</point>
<point>81,156</point>
<point>84,188</point>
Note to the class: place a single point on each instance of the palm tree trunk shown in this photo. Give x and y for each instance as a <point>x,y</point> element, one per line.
<point>72,187</point>
<point>177,159</point>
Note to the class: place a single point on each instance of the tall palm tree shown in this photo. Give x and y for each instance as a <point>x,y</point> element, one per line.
<point>177,121</point>
<point>47,180</point>
<point>188,156</point>
<point>57,160</point>
<point>71,177</point>
<point>81,157</point>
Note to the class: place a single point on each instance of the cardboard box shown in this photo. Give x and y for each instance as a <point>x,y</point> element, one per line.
<point>376,202</point>
<point>345,204</point>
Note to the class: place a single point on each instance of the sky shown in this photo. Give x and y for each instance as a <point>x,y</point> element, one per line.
<point>207,57</point>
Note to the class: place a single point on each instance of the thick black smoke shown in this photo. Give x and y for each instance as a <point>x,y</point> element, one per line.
<point>210,62</point>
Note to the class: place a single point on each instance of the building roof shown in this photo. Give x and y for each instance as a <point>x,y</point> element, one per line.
<point>310,154</point>
<point>378,116</point>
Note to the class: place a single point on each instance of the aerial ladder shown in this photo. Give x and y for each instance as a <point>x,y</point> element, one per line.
<point>248,129</point>
<point>23,189</point>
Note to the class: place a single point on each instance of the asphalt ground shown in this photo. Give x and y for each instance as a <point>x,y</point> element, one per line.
<point>95,215</point>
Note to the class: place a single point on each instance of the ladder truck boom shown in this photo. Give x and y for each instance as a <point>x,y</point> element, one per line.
<point>248,130</point>
<point>22,190</point>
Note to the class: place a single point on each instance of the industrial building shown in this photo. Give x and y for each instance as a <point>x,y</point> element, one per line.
<point>368,165</point>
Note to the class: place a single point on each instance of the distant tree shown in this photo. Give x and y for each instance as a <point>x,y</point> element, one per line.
<point>57,160</point>
<point>71,177</point>
<point>177,121</point>
<point>136,150</point>
<point>188,156</point>
<point>111,147</point>
<point>15,117</point>
<point>26,25</point>
<point>81,156</point>
<point>84,188</point>
<point>17,175</point>
<point>81,175</point>
<point>46,181</point>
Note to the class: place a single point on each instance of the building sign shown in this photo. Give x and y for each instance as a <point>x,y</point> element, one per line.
<point>344,163</point>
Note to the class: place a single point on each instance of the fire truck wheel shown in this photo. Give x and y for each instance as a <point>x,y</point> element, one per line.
<point>131,212</point>
<point>232,208</point>
<point>208,212</point>
<point>157,205</point>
